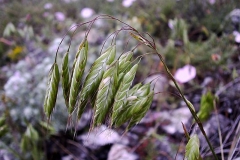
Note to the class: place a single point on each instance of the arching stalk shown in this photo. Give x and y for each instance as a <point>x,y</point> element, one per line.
<point>189,105</point>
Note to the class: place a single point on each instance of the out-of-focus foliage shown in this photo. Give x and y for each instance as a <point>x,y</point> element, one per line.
<point>3,126</point>
<point>29,142</point>
<point>207,55</point>
<point>210,14</point>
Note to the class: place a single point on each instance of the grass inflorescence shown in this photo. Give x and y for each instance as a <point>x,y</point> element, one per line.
<point>108,83</point>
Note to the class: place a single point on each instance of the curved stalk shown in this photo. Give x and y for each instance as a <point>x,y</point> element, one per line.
<point>188,105</point>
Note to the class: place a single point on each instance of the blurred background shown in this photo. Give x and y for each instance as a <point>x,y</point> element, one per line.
<point>199,40</point>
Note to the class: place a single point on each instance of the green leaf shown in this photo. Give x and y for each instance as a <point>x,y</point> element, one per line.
<point>24,144</point>
<point>3,130</point>
<point>192,148</point>
<point>10,28</point>
<point>206,106</point>
<point>29,138</point>
<point>2,121</point>
<point>32,133</point>
<point>48,127</point>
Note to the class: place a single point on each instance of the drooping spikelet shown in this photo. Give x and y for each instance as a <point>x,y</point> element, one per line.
<point>94,77</point>
<point>121,95</point>
<point>139,110</point>
<point>65,78</point>
<point>105,94</point>
<point>78,70</point>
<point>52,90</point>
<point>136,99</point>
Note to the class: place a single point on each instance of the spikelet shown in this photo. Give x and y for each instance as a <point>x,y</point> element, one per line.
<point>52,90</point>
<point>125,62</point>
<point>78,70</point>
<point>139,110</point>
<point>124,65</point>
<point>138,91</point>
<point>94,78</point>
<point>137,97</point>
<point>121,95</point>
<point>105,94</point>
<point>142,91</point>
<point>141,39</point>
<point>82,44</point>
<point>134,89</point>
<point>65,78</point>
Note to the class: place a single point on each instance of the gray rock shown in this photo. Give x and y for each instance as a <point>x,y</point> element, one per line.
<point>171,120</point>
<point>121,152</point>
<point>101,136</point>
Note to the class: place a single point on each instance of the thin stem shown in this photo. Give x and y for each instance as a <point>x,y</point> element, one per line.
<point>77,25</point>
<point>188,105</point>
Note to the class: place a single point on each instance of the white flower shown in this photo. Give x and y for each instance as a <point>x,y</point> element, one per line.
<point>127,3</point>
<point>237,36</point>
<point>87,12</point>
<point>48,6</point>
<point>69,1</point>
<point>185,74</point>
<point>211,1</point>
<point>60,16</point>
<point>171,24</point>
